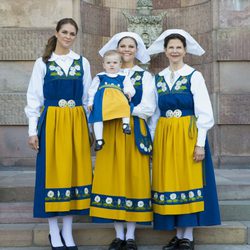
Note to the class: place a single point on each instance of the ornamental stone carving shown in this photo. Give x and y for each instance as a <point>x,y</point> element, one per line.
<point>144,3</point>
<point>148,26</point>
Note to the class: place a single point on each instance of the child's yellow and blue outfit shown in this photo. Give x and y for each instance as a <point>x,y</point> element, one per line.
<point>121,185</point>
<point>63,167</point>
<point>109,100</point>
<point>183,191</point>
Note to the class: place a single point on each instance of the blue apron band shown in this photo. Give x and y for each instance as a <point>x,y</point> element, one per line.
<point>177,113</point>
<point>63,103</point>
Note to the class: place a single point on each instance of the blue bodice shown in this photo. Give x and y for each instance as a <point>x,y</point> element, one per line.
<point>107,81</point>
<point>58,86</point>
<point>179,97</point>
<point>137,79</point>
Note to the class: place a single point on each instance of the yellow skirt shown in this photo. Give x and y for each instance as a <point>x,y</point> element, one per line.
<point>68,160</point>
<point>114,104</point>
<point>121,185</point>
<point>177,179</point>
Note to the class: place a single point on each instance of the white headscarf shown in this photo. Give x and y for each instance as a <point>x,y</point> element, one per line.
<point>193,46</point>
<point>141,54</point>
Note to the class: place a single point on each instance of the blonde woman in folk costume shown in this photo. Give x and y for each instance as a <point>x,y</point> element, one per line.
<point>121,186</point>
<point>183,190</point>
<point>58,88</point>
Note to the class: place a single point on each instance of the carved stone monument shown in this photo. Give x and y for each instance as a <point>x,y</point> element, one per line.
<point>148,26</point>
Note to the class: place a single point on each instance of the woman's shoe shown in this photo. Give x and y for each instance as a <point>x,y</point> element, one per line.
<point>172,245</point>
<point>130,245</point>
<point>56,248</point>
<point>99,144</point>
<point>68,248</point>
<point>117,244</point>
<point>186,244</point>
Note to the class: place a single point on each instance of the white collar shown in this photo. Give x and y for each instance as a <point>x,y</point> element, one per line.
<point>184,71</point>
<point>70,55</point>
<point>135,68</point>
<point>111,74</point>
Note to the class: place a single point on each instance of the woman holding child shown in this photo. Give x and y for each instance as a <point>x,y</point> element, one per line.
<point>121,186</point>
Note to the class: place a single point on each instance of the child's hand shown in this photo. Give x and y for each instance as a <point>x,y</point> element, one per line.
<point>129,96</point>
<point>90,107</point>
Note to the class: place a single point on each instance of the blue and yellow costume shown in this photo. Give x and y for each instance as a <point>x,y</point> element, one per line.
<point>109,101</point>
<point>63,168</point>
<point>121,185</point>
<point>183,191</point>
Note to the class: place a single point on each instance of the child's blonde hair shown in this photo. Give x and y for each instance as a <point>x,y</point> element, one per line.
<point>112,53</point>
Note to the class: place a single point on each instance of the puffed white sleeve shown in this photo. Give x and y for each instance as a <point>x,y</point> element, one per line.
<point>128,86</point>
<point>35,98</point>
<point>147,106</point>
<point>152,122</point>
<point>92,90</point>
<point>202,107</point>
<point>87,79</point>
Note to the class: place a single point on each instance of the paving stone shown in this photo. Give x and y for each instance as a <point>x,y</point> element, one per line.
<point>102,234</point>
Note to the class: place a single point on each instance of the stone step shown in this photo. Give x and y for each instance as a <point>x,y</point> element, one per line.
<point>22,212</point>
<point>233,184</point>
<point>17,185</point>
<point>14,235</point>
<point>141,247</point>
<point>235,210</point>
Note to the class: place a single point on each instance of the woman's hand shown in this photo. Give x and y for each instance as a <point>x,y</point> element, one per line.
<point>199,153</point>
<point>90,107</point>
<point>34,142</point>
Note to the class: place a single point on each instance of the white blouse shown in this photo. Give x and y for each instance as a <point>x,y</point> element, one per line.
<point>128,86</point>
<point>35,98</point>
<point>146,107</point>
<point>202,105</point>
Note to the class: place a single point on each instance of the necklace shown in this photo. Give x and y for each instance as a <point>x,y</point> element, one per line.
<point>172,77</point>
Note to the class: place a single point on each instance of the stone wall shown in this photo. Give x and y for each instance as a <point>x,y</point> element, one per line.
<point>100,20</point>
<point>232,57</point>
<point>25,26</point>
<point>221,26</point>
